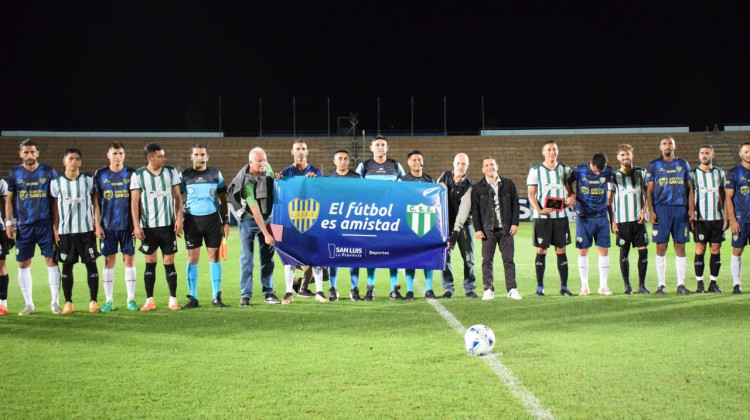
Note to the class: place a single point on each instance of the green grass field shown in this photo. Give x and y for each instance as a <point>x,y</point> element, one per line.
<point>583,357</point>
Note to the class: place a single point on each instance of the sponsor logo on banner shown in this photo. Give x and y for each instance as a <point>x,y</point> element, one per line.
<point>303,213</point>
<point>421,218</point>
<point>344,251</point>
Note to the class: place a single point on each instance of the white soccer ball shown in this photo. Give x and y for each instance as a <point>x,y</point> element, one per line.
<point>479,340</point>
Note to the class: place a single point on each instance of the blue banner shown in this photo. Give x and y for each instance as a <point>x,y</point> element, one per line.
<point>349,222</point>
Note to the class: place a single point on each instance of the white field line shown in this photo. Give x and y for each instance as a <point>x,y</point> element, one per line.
<point>530,402</point>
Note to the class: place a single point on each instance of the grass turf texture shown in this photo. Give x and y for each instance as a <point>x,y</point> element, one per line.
<point>584,357</point>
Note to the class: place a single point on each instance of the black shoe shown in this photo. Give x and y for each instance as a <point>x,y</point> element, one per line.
<point>736,290</point>
<point>472,295</point>
<point>700,288</point>
<point>244,302</point>
<point>430,295</point>
<point>540,292</point>
<point>448,294</point>
<point>272,299</point>
<point>563,292</point>
<point>217,303</point>
<point>628,289</point>
<point>660,290</point>
<point>333,294</point>
<point>642,290</point>
<point>409,296</point>
<point>682,290</point>
<point>370,294</point>
<point>395,294</point>
<point>714,288</point>
<point>354,295</point>
<point>305,293</point>
<point>192,302</point>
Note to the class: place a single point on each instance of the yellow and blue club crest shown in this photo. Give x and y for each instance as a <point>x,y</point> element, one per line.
<point>303,213</point>
<point>421,218</point>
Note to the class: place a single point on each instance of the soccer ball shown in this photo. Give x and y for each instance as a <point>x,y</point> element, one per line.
<point>479,340</point>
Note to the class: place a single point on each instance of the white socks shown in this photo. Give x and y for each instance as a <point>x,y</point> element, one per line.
<point>603,271</point>
<point>318,276</point>
<point>661,270</point>
<point>53,274</point>
<point>108,281</point>
<point>130,282</point>
<point>736,266</point>
<point>680,264</point>
<point>24,280</point>
<point>583,271</point>
<point>289,277</point>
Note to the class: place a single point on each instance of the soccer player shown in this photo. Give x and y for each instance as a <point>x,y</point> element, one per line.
<point>738,212</point>
<point>251,196</point>
<point>73,226</point>
<point>156,207</point>
<point>627,206</point>
<point>669,194</point>
<point>341,160</point>
<point>381,167</point>
<point>592,222</point>
<point>416,163</point>
<point>549,180</point>
<point>28,199</point>
<point>206,219</point>
<point>300,167</point>
<point>114,226</point>
<point>495,213</point>
<point>458,187</point>
<point>710,219</point>
<point>4,250</point>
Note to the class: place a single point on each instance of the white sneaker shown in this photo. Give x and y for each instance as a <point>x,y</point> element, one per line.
<point>605,291</point>
<point>488,295</point>
<point>27,310</point>
<point>513,294</point>
<point>55,307</point>
<point>584,292</point>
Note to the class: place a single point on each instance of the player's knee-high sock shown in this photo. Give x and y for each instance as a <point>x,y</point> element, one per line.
<point>318,277</point>
<point>171,275</point>
<point>92,276</point>
<point>661,270</point>
<point>394,278</point>
<point>625,264</point>
<point>332,276</point>
<point>108,281</point>
<point>130,282</point>
<point>24,280</point>
<point>354,273</point>
<point>699,266</point>
<point>215,278</point>
<point>371,277</point>
<point>289,278</point>
<point>428,275</point>
<point>540,263</point>
<point>562,268</point>
<point>642,266</point>
<point>4,280</point>
<point>736,265</point>
<point>680,264</point>
<point>67,281</point>
<point>191,272</point>
<point>53,275</point>
<point>149,279</point>
<point>583,271</point>
<point>409,274</point>
<point>714,264</point>
<point>603,271</point>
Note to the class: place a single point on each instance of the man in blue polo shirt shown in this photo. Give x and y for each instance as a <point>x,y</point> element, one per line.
<point>738,212</point>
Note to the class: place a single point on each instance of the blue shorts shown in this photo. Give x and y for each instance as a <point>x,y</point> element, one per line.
<point>28,236</point>
<point>739,241</point>
<point>113,238</point>
<point>672,220</point>
<point>590,230</point>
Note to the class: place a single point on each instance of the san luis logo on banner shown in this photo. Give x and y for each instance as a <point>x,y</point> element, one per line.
<point>303,213</point>
<point>421,218</point>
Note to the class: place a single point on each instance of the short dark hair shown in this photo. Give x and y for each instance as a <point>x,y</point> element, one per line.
<point>599,160</point>
<point>488,157</point>
<point>27,142</point>
<point>747,143</point>
<point>72,150</point>
<point>150,148</point>
<point>198,146</point>
<point>413,152</point>
<point>340,151</point>
<point>548,141</point>
<point>707,146</point>
<point>116,145</point>
<point>379,137</point>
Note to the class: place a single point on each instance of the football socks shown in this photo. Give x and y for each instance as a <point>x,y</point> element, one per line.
<point>108,281</point>
<point>625,264</point>
<point>67,281</point>
<point>130,282</point>
<point>714,265</point>
<point>53,276</point>
<point>583,271</point>
<point>736,265</point>
<point>699,266</point>
<point>149,279</point>
<point>540,265</point>
<point>171,275</point>
<point>661,270</point>
<point>680,264</point>
<point>603,271</point>
<point>92,276</point>
<point>562,268</point>
<point>642,266</point>
<point>24,280</point>
<point>191,272</point>
<point>215,278</point>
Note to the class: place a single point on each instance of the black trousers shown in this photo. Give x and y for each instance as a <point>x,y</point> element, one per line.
<point>506,244</point>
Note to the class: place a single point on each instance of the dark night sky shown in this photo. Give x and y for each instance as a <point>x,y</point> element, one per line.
<point>538,64</point>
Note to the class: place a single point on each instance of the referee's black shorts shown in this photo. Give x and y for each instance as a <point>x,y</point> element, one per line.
<point>203,228</point>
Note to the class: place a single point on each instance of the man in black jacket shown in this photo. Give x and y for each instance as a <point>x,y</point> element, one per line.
<point>495,212</point>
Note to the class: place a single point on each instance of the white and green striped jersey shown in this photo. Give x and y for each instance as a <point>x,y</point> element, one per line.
<point>74,203</point>
<point>549,183</point>
<point>706,185</point>
<point>157,202</point>
<point>627,194</point>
